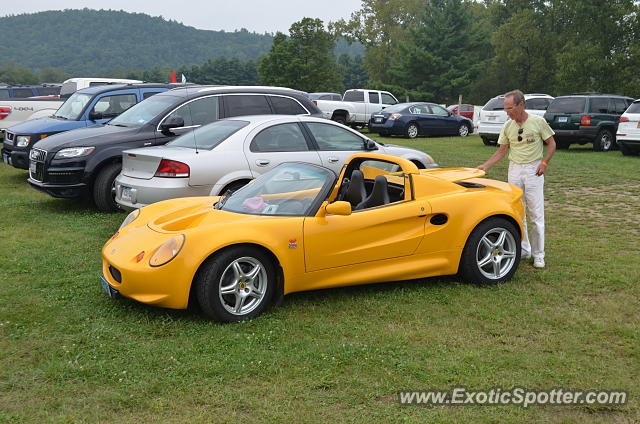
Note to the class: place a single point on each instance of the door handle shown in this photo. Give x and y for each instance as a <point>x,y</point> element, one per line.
<point>333,159</point>
<point>262,162</point>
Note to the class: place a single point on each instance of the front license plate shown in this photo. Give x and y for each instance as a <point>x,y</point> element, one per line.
<point>32,167</point>
<point>125,194</point>
<point>113,293</point>
<point>562,119</point>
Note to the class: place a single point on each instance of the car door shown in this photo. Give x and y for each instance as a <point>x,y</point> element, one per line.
<point>109,105</point>
<point>365,236</point>
<point>268,147</point>
<point>445,122</point>
<point>427,122</point>
<point>335,144</point>
<point>194,113</point>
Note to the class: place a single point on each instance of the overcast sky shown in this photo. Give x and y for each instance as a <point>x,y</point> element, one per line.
<point>229,15</point>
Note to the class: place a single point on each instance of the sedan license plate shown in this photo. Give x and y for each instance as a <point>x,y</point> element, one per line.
<point>125,194</point>
<point>491,118</point>
<point>113,293</point>
<point>378,120</point>
<point>562,119</point>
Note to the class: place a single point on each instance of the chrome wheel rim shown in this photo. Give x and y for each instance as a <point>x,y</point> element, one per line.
<point>412,131</point>
<point>605,141</point>
<point>463,131</point>
<point>243,285</point>
<point>496,253</point>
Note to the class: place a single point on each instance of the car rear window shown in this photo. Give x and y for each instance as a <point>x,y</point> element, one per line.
<point>354,96</point>
<point>567,105</point>
<point>495,104</point>
<point>537,104</point>
<point>634,108</point>
<point>599,105</point>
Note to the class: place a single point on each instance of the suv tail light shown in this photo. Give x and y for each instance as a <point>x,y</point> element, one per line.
<point>585,120</point>
<point>4,112</point>
<point>624,119</point>
<point>315,102</point>
<point>172,169</point>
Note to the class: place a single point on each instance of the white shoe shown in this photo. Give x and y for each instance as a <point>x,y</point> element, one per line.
<point>525,255</point>
<point>538,263</point>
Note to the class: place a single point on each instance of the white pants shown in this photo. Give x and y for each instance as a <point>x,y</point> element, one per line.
<point>524,176</point>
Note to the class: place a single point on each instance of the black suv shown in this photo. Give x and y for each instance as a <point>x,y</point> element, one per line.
<point>85,162</point>
<point>586,118</point>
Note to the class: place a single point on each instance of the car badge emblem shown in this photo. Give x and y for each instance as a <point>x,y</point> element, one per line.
<point>293,243</point>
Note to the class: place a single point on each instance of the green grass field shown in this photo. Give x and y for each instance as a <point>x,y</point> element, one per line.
<point>70,354</point>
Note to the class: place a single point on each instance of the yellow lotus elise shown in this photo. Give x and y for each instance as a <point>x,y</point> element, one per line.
<point>301,227</point>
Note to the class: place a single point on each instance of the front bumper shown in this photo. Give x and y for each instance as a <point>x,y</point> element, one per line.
<point>63,191</point>
<point>16,158</point>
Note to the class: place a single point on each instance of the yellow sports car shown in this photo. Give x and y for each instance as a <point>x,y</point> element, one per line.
<point>301,227</point>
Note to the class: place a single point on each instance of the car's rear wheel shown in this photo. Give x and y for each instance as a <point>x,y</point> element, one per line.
<point>236,284</point>
<point>340,119</point>
<point>411,131</point>
<point>488,142</point>
<point>492,252</point>
<point>463,130</point>
<point>604,141</point>
<point>104,188</point>
<point>627,151</point>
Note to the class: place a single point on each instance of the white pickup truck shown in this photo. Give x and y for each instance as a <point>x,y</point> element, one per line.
<point>356,107</point>
<point>15,111</point>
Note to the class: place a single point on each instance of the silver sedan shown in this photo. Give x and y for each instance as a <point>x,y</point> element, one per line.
<point>227,154</point>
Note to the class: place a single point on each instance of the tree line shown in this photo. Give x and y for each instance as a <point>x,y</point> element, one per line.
<point>437,50</point>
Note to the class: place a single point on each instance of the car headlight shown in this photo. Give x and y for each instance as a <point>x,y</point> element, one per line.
<point>23,140</point>
<point>74,152</point>
<point>129,219</point>
<point>167,251</point>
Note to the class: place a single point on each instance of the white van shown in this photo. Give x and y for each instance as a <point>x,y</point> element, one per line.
<point>72,85</point>
<point>493,116</point>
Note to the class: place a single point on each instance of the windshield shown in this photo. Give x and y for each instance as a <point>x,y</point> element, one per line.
<point>495,104</point>
<point>144,111</point>
<point>290,189</point>
<point>73,107</point>
<point>567,105</point>
<point>208,136</point>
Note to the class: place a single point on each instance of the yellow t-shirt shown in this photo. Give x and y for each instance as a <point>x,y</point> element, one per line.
<point>534,131</point>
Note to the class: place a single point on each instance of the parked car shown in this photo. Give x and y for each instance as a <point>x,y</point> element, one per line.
<point>301,227</point>
<point>628,134</point>
<point>465,110</point>
<point>87,107</point>
<point>414,119</point>
<point>493,116</point>
<point>86,161</point>
<point>325,96</point>
<point>72,85</point>
<point>225,155</point>
<point>587,118</point>
<point>356,106</point>
<point>26,91</point>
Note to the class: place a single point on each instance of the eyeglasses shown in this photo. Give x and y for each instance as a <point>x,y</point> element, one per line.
<point>520,134</point>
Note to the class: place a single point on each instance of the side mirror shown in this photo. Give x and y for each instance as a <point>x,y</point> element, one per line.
<point>94,116</point>
<point>338,208</point>
<point>172,122</point>
<point>370,145</point>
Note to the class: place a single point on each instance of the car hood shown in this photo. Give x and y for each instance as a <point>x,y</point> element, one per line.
<point>45,125</point>
<point>92,136</point>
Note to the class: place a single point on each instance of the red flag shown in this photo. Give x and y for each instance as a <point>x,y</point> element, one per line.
<point>173,77</point>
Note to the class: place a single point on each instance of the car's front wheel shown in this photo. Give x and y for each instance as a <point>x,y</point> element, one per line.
<point>492,252</point>
<point>604,141</point>
<point>104,189</point>
<point>463,130</point>
<point>488,142</point>
<point>236,284</point>
<point>411,131</point>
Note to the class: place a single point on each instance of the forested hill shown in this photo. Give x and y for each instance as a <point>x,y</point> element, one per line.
<point>89,42</point>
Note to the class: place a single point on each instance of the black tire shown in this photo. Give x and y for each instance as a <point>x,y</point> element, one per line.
<point>464,130</point>
<point>627,151</point>
<point>562,144</point>
<point>488,142</point>
<point>340,119</point>
<point>604,141</point>
<point>104,191</point>
<point>233,187</point>
<point>411,131</point>
<point>219,270</point>
<point>476,251</point>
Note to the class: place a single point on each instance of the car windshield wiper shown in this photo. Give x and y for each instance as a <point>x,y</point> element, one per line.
<point>61,117</point>
<point>118,125</point>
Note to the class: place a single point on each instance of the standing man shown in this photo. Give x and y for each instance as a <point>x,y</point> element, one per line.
<point>523,136</point>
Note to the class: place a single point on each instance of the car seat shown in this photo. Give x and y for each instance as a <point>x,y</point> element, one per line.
<point>379,195</point>
<point>356,192</point>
